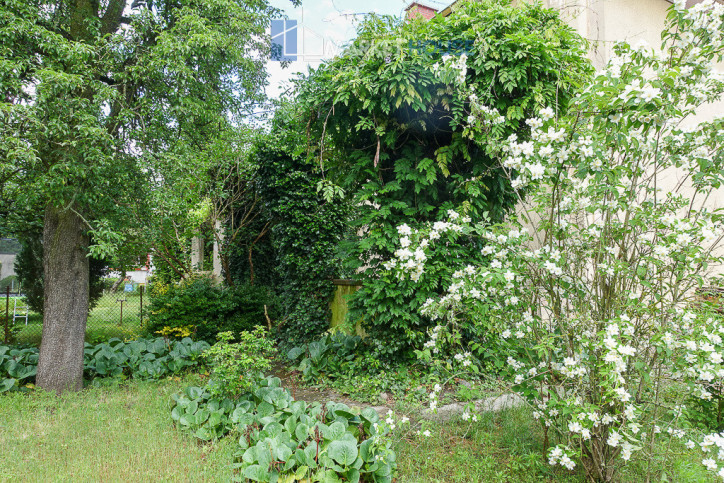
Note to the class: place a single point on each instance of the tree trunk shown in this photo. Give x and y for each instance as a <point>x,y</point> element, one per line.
<point>117,284</point>
<point>65,264</point>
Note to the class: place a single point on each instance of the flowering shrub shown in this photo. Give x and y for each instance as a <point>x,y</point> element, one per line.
<point>592,286</point>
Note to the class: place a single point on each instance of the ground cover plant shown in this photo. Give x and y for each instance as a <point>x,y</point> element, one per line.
<point>593,290</point>
<point>280,439</point>
<point>347,365</point>
<point>138,359</point>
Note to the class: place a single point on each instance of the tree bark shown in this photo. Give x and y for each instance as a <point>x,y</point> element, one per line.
<point>65,264</point>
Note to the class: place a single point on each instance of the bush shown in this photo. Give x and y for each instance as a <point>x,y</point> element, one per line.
<point>207,308</point>
<point>235,367</point>
<point>399,125</point>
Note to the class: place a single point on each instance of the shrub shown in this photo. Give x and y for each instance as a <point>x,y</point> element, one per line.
<point>208,308</point>
<point>398,121</point>
<point>235,367</point>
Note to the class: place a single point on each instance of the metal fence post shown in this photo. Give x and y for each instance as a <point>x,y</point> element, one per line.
<point>140,309</point>
<point>7,314</point>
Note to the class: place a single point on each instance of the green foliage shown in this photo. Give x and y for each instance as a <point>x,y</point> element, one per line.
<point>707,415</point>
<point>326,355</point>
<point>286,440</point>
<point>138,359</point>
<point>346,364</point>
<point>235,367</point>
<point>305,235</point>
<point>393,130</point>
<point>209,308</point>
<point>29,269</point>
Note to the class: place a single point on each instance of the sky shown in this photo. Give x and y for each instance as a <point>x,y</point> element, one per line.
<point>323,27</point>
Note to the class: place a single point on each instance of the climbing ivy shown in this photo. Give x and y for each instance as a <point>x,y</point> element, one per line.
<point>305,235</point>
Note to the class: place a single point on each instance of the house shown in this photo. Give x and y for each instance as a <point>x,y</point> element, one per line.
<point>605,22</point>
<point>417,9</point>
<point>9,249</point>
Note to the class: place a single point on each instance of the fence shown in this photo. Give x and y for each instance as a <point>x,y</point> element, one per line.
<point>116,314</point>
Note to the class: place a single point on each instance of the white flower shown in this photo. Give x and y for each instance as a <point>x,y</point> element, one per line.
<point>546,113</point>
<point>426,433</point>
<point>626,450</point>
<point>614,439</point>
<point>404,230</point>
<point>710,464</point>
<point>567,462</point>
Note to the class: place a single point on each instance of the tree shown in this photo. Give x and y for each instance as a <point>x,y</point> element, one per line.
<point>29,270</point>
<point>99,101</point>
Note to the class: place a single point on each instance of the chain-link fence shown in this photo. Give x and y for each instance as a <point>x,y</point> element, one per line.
<point>116,314</point>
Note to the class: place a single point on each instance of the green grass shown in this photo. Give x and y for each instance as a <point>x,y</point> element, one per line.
<point>104,321</point>
<point>122,431</point>
<point>507,447</point>
<point>112,433</point>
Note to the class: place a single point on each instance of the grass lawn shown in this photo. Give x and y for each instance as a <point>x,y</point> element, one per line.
<point>122,431</point>
<point>506,446</point>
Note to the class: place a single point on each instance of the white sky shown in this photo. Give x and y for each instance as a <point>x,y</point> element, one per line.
<point>323,27</point>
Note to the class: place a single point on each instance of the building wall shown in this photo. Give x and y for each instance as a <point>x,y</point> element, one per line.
<point>418,10</point>
<point>8,265</point>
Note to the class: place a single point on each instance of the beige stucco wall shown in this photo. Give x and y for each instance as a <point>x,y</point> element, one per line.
<point>8,265</point>
<point>605,22</point>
